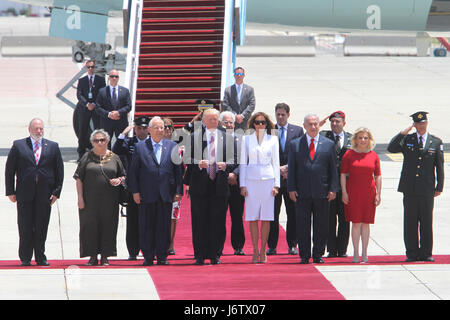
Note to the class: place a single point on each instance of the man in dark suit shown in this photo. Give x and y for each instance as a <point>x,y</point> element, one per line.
<point>210,158</point>
<point>124,147</point>
<point>239,99</point>
<point>338,242</point>
<point>112,105</point>
<point>87,91</point>
<point>34,175</point>
<point>155,181</point>
<point>421,180</point>
<point>286,132</point>
<point>235,201</point>
<point>312,184</point>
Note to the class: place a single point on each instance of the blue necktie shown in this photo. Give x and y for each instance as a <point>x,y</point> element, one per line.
<point>283,138</point>
<point>157,149</point>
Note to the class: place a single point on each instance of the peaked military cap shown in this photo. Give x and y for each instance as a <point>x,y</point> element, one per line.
<point>420,116</point>
<point>142,121</point>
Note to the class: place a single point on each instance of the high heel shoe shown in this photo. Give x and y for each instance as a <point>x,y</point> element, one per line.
<point>255,258</point>
<point>355,259</point>
<point>263,258</point>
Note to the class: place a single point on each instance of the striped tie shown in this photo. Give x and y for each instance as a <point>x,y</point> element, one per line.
<point>36,152</point>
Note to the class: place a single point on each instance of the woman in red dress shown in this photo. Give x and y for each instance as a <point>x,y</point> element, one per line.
<point>361,188</point>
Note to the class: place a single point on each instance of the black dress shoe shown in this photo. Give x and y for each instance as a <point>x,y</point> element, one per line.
<point>428,259</point>
<point>162,263</point>
<point>147,263</point>
<point>43,263</point>
<point>293,251</point>
<point>410,259</point>
<point>342,255</point>
<point>171,252</point>
<point>332,254</point>
<point>93,261</point>
<point>199,262</point>
<point>318,260</point>
<point>132,258</point>
<point>104,261</point>
<point>216,261</point>
<point>239,252</point>
<point>25,264</point>
<point>271,252</point>
<point>304,261</point>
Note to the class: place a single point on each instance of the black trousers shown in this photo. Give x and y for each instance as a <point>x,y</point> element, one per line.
<point>208,217</point>
<point>132,232</point>
<point>291,224</point>
<point>33,218</point>
<point>154,229</point>
<point>318,210</point>
<point>418,225</point>
<point>84,119</point>
<point>338,241</point>
<point>236,205</point>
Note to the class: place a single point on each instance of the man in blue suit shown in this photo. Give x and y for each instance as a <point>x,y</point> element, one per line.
<point>34,175</point>
<point>155,181</point>
<point>312,183</point>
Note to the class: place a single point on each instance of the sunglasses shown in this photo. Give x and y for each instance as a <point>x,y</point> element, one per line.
<point>90,67</point>
<point>239,74</point>
<point>113,76</point>
<point>260,122</point>
<point>99,140</point>
<point>168,127</point>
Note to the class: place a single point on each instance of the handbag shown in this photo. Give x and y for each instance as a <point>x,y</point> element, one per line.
<point>124,194</point>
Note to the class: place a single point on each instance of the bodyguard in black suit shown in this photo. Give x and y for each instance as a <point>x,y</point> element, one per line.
<point>112,105</point>
<point>338,241</point>
<point>87,91</point>
<point>312,183</point>
<point>421,180</point>
<point>210,159</point>
<point>155,181</point>
<point>286,133</point>
<point>34,175</point>
<point>124,147</point>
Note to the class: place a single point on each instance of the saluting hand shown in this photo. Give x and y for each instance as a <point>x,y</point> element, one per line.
<point>407,130</point>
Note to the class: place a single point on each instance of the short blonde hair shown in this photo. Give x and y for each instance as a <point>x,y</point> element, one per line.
<point>363,130</point>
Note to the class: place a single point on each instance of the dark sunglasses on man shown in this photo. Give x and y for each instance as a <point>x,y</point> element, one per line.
<point>238,73</point>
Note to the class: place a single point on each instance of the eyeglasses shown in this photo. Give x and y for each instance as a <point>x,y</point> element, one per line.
<point>238,73</point>
<point>99,140</point>
<point>113,76</point>
<point>90,67</point>
<point>227,122</point>
<point>168,127</point>
<point>260,122</point>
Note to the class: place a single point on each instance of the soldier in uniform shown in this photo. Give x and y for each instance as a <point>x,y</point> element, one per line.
<point>338,242</point>
<point>124,147</point>
<point>421,180</point>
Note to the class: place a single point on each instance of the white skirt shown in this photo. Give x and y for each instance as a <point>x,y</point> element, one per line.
<point>259,203</point>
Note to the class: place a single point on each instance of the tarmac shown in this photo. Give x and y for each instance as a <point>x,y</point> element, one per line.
<point>377,92</point>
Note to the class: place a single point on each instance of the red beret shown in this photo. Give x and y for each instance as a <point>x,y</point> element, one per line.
<point>337,114</point>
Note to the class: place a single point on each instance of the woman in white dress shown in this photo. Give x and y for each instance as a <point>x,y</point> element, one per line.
<point>259,179</point>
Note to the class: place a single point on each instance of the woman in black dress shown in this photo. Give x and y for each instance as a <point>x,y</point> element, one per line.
<point>98,175</point>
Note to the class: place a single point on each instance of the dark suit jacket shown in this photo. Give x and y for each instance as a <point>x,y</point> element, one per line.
<point>246,107</point>
<point>312,178</point>
<point>125,149</point>
<point>197,178</point>
<point>345,145</point>
<point>420,168</point>
<point>292,133</point>
<point>83,89</point>
<point>152,180</point>
<point>40,181</point>
<point>104,106</point>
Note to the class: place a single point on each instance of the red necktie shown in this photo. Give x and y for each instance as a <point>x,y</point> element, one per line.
<point>312,149</point>
<point>90,83</point>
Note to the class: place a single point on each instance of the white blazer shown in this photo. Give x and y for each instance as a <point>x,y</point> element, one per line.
<point>259,162</point>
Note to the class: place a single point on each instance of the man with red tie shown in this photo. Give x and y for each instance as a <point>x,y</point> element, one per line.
<point>34,175</point>
<point>312,184</point>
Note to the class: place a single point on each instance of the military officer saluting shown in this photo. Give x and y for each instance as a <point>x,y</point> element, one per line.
<point>421,180</point>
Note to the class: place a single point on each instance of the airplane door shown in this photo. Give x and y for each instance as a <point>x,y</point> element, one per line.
<point>375,14</point>
<point>439,16</point>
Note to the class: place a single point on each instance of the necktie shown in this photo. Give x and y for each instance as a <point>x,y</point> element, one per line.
<point>36,152</point>
<point>212,157</point>
<point>157,152</point>
<point>90,83</point>
<point>421,142</point>
<point>312,149</point>
<point>238,91</point>
<point>114,96</point>
<point>283,138</point>
<point>338,142</point>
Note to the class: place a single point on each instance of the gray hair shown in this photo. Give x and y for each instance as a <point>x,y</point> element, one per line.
<point>227,113</point>
<point>35,119</point>
<point>99,131</point>
<point>154,119</point>
<point>311,115</point>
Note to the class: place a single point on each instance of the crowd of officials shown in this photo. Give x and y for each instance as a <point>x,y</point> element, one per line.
<point>236,160</point>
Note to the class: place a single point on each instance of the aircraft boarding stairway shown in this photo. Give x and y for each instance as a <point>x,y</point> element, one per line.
<point>180,57</point>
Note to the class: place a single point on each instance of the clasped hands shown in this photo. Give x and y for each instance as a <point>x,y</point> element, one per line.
<point>203,164</point>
